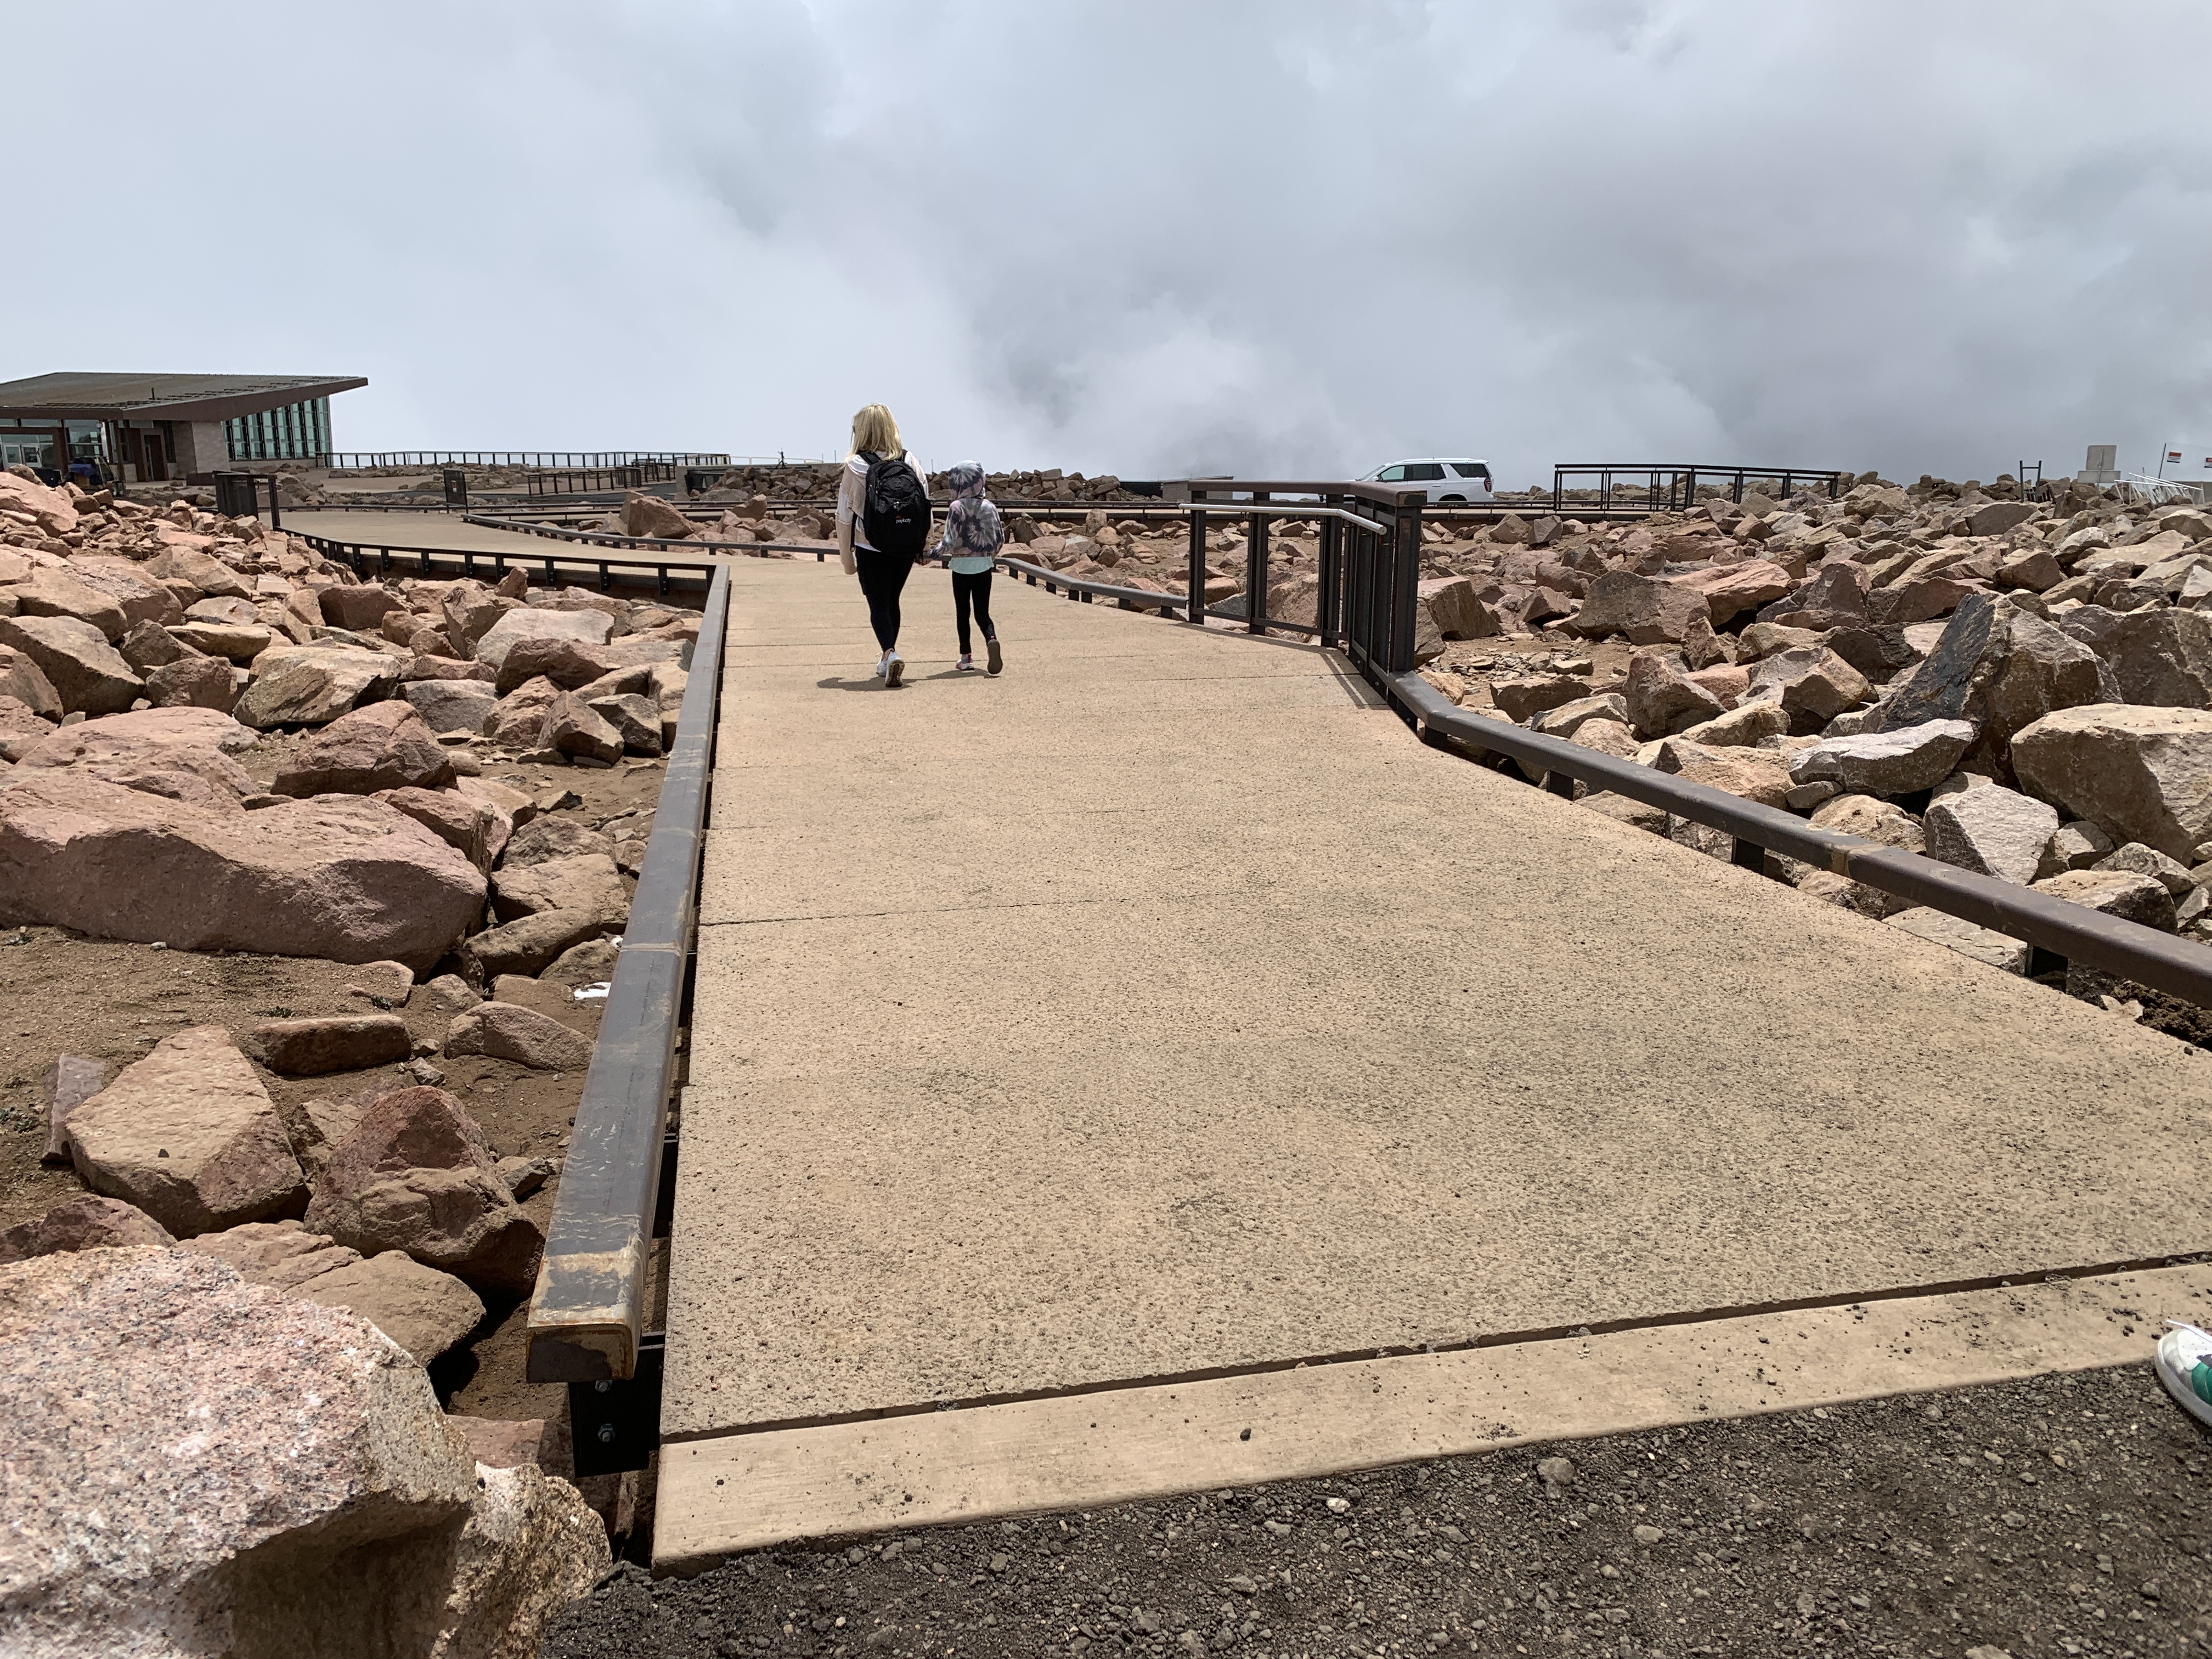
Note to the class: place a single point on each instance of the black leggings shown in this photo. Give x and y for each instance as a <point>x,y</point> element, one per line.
<point>973,590</point>
<point>882,576</point>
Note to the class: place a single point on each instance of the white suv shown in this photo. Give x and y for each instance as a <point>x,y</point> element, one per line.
<point>1445,478</point>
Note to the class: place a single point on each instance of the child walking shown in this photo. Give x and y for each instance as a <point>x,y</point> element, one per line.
<point>973,536</point>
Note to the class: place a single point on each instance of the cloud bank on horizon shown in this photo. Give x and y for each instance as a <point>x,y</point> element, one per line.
<point>1294,237</point>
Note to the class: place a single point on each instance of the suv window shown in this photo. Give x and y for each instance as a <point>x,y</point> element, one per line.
<point>1471,469</point>
<point>1391,475</point>
<point>1423,471</point>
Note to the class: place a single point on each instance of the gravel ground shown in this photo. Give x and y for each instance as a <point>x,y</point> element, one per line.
<point>2062,1516</point>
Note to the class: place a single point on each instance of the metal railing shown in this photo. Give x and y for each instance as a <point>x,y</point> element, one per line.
<point>584,481</point>
<point>614,538</point>
<point>357,460</point>
<point>1369,587</point>
<point>586,1322</point>
<point>2056,930</point>
<point>238,495</point>
<point>1671,487</point>
<point>373,558</point>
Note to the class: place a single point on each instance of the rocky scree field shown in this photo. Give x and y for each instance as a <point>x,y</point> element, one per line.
<point>300,880</point>
<point>2021,688</point>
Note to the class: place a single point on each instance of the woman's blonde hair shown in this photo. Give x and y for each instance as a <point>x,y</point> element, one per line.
<point>874,431</point>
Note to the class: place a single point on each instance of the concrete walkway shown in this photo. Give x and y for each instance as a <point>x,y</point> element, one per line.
<point>443,530</point>
<point>1162,1008</point>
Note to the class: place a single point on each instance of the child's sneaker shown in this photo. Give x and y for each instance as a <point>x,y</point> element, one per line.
<point>998,661</point>
<point>966,665</point>
<point>2184,1365</point>
<point>894,670</point>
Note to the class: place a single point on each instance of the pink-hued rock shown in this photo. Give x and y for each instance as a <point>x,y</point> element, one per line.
<point>500,1444</point>
<point>568,663</point>
<point>473,828</point>
<point>587,626</point>
<point>517,718</point>
<point>182,753</point>
<point>193,682</point>
<point>1729,590</point>
<point>505,1031</point>
<point>415,1174</point>
<point>54,509</point>
<point>452,705</point>
<point>70,1081</point>
<point>332,1043</point>
<point>423,1311</point>
<point>20,729</point>
<point>587,882</point>
<point>313,685</point>
<point>246,1472</point>
<point>470,610</point>
<point>575,729</point>
<point>189,1135</point>
<point>21,678</point>
<point>386,745</point>
<point>141,599</point>
<point>200,569</point>
<point>337,877</point>
<point>360,607</point>
<point>53,592</point>
<point>85,671</point>
<point>85,1221</point>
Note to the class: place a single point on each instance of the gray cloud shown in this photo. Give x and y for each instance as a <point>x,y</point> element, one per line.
<point>1293,236</point>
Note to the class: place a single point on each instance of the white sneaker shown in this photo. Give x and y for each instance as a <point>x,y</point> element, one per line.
<point>883,665</point>
<point>966,665</point>
<point>2184,1365</point>
<point>893,668</point>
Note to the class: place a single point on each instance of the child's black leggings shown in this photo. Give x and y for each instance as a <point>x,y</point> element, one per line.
<point>976,591</point>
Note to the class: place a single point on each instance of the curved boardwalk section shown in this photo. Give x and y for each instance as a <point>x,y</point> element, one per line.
<point>1164,1008</point>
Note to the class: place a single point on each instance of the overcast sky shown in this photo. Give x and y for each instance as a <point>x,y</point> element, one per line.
<point>1245,235</point>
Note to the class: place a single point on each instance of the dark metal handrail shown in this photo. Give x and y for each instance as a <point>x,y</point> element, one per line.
<point>1680,492</point>
<point>357,554</point>
<point>586,1321</point>
<point>608,538</point>
<point>2056,929</point>
<point>354,460</point>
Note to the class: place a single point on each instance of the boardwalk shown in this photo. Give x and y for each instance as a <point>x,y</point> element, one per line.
<point>1164,1008</point>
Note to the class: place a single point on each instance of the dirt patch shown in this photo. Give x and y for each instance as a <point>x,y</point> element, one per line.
<point>2062,1515</point>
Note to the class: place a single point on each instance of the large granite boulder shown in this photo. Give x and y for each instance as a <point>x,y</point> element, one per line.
<point>313,685</point>
<point>416,1175</point>
<point>2000,666</point>
<point>591,627</point>
<point>2138,773</point>
<point>84,671</point>
<point>337,877</point>
<point>386,745</point>
<point>188,1135</point>
<point>219,1468</point>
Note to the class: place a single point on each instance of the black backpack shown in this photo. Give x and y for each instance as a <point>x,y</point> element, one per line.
<point>897,514</point>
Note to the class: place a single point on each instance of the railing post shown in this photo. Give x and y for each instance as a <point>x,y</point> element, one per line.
<point>1405,580</point>
<point>1332,574</point>
<point>1197,559</point>
<point>1255,569</point>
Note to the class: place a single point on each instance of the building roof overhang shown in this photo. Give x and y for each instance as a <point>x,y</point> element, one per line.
<point>162,397</point>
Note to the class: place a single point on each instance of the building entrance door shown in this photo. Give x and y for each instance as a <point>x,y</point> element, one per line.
<point>153,463</point>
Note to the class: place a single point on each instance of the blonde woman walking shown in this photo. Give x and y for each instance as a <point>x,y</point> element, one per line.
<point>883,525</point>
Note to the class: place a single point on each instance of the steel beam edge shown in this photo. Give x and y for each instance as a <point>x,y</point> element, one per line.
<point>586,1320</point>
<point>2073,930</point>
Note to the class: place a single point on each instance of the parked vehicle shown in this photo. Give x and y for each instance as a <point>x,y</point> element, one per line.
<point>1446,478</point>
